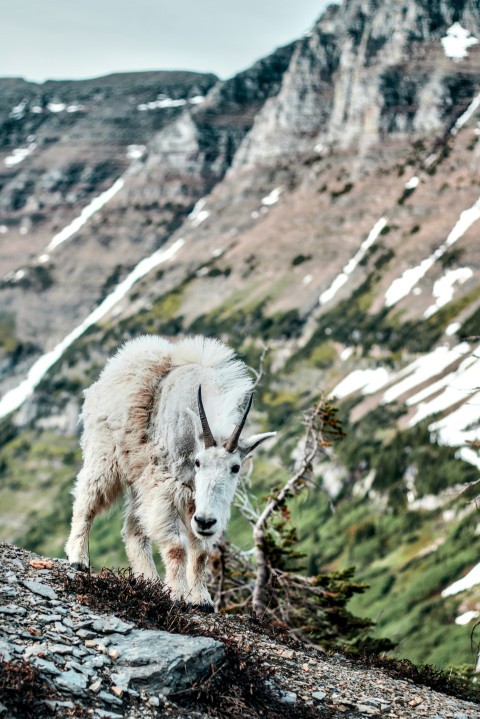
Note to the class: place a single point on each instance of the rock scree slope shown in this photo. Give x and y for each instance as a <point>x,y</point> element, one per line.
<point>89,662</point>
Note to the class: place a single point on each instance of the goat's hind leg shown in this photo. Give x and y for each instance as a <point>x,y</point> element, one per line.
<point>137,544</point>
<point>93,493</point>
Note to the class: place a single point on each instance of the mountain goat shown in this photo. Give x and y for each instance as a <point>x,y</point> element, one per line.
<point>146,434</point>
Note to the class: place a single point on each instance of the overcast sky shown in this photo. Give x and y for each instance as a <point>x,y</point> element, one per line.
<point>42,39</point>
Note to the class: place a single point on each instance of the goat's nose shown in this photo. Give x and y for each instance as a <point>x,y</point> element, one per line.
<point>205,523</point>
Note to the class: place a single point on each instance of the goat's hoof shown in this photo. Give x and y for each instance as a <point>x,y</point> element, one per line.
<point>205,607</point>
<point>79,566</point>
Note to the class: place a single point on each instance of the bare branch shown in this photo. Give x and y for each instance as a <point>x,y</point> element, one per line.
<point>261,367</point>
<point>313,443</point>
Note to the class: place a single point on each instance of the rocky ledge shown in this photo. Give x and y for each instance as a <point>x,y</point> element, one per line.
<point>64,653</point>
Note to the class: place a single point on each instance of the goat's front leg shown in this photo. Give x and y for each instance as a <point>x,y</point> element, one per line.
<point>174,557</point>
<point>198,555</point>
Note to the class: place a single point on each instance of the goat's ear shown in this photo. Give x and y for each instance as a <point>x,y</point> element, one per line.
<point>248,445</point>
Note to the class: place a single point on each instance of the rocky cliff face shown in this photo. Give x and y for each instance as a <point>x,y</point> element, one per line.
<point>80,144</point>
<point>367,72</point>
<point>326,202</point>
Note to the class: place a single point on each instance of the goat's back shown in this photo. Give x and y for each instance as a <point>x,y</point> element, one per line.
<point>133,381</point>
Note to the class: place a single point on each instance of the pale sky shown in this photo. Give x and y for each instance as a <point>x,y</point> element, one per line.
<point>54,39</point>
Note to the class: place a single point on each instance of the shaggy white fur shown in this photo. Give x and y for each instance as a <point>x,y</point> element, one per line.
<point>143,437</point>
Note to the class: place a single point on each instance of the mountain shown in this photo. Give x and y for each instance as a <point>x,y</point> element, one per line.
<point>325,202</point>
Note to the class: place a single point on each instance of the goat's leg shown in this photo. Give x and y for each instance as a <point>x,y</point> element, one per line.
<point>174,557</point>
<point>137,544</point>
<point>94,492</point>
<point>198,593</point>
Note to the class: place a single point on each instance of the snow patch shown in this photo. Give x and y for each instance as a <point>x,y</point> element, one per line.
<point>403,285</point>
<point>75,108</point>
<point>467,617</point>
<point>56,106</point>
<point>412,183</point>
<point>465,117</point>
<point>273,197</point>
<point>19,154</point>
<point>307,279</point>
<point>462,425</point>
<point>163,102</point>
<point>199,214</point>
<point>467,582</point>
<point>16,396</point>
<point>19,110</point>
<point>458,386</point>
<point>423,369</point>
<point>96,204</point>
<point>136,152</point>
<point>467,454</point>
<point>441,383</point>
<point>457,41</point>
<point>342,278</point>
<point>453,328</point>
<point>368,380</point>
<point>443,288</point>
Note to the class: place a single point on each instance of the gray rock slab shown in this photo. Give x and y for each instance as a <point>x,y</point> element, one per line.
<point>52,704</point>
<point>48,618</point>
<point>45,666</point>
<point>8,591</point>
<point>72,681</point>
<point>43,590</point>
<point>59,648</point>
<point>12,609</point>
<point>109,698</point>
<point>111,625</point>
<point>159,662</point>
<point>85,634</point>
<point>36,649</point>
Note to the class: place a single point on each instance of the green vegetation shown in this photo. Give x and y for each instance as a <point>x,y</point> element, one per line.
<point>471,326</point>
<point>299,259</point>
<point>250,322</point>
<point>343,191</point>
<point>351,322</point>
<point>10,345</point>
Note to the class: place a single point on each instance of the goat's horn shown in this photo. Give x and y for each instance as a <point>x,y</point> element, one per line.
<point>208,437</point>
<point>232,443</point>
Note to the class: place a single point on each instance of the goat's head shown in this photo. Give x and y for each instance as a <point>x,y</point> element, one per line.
<point>217,470</point>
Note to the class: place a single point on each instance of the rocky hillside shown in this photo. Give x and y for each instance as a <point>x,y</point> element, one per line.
<point>326,203</point>
<point>65,651</point>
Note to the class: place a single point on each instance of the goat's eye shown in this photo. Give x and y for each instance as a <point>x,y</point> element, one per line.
<point>197,463</point>
<point>236,468</point>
